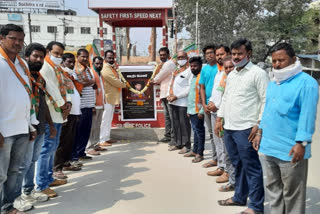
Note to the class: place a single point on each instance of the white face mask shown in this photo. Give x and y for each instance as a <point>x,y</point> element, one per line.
<point>279,75</point>
<point>56,60</point>
<point>182,62</point>
<point>242,63</point>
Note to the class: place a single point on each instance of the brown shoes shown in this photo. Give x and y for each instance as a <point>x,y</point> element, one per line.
<point>105,144</point>
<point>50,193</point>
<point>211,163</point>
<point>216,172</point>
<point>190,155</point>
<point>223,178</point>
<point>93,152</point>
<point>58,183</point>
<point>100,149</point>
<point>197,159</point>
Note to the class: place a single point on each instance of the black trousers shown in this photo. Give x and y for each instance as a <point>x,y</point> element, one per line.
<point>181,127</point>
<point>67,139</point>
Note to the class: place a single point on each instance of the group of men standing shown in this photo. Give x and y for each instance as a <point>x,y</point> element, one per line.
<point>246,110</point>
<point>57,108</point>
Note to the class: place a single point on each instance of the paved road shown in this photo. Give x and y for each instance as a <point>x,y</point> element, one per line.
<point>144,178</point>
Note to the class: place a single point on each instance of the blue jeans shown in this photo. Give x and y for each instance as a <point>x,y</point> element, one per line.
<point>199,134</point>
<point>248,171</point>
<point>45,163</point>
<point>82,134</point>
<point>27,168</point>
<point>11,157</point>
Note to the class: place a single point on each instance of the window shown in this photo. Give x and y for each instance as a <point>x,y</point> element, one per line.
<point>35,28</point>
<point>69,30</point>
<point>52,29</point>
<point>85,30</point>
<point>105,30</point>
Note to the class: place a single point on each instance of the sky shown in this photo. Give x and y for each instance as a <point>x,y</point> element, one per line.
<point>81,6</point>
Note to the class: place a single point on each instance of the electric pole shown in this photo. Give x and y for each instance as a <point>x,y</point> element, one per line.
<point>30,30</point>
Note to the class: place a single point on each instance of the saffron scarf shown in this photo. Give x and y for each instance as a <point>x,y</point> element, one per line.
<point>198,99</point>
<point>174,74</point>
<point>22,81</point>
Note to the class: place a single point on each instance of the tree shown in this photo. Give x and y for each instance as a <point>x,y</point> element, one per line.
<point>264,22</point>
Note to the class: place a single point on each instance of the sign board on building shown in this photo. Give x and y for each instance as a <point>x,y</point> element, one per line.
<point>129,4</point>
<point>14,17</point>
<point>113,15</point>
<point>32,4</point>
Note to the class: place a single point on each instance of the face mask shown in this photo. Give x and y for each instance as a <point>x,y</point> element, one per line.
<point>35,66</point>
<point>56,60</point>
<point>241,63</point>
<point>195,72</point>
<point>182,62</point>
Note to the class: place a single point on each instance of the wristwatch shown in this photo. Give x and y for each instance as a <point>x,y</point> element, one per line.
<point>303,143</point>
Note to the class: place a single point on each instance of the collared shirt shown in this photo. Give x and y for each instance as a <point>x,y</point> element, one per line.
<point>289,115</point>
<point>181,87</point>
<point>14,100</point>
<point>192,97</point>
<point>244,98</point>
<point>164,77</point>
<point>208,74</point>
<point>216,94</point>
<point>52,87</point>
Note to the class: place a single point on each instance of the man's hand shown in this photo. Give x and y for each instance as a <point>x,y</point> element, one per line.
<point>33,136</point>
<point>1,140</point>
<point>212,107</point>
<point>297,152</point>
<point>218,126</point>
<point>205,109</point>
<point>66,108</point>
<point>253,133</point>
<point>200,116</point>
<point>53,132</point>
<point>256,142</point>
<point>94,111</point>
<point>172,98</point>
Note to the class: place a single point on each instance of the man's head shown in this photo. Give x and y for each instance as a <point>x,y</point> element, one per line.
<point>209,53</point>
<point>283,56</point>
<point>55,51</point>
<point>97,63</point>
<point>34,55</point>
<point>164,54</point>
<point>83,57</point>
<point>109,57</point>
<point>68,60</point>
<point>138,86</point>
<point>182,58</point>
<point>195,65</point>
<point>241,51</point>
<point>12,39</point>
<point>227,64</point>
<point>221,52</point>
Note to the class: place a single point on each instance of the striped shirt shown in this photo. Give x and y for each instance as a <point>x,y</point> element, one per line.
<point>88,98</point>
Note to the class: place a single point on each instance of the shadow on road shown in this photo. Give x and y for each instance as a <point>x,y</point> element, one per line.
<point>100,184</point>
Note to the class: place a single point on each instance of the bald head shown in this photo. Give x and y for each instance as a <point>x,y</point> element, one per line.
<point>182,55</point>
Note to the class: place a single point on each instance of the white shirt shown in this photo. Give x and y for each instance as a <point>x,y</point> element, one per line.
<point>216,95</point>
<point>14,100</point>
<point>52,87</point>
<point>181,87</point>
<point>164,77</point>
<point>244,97</point>
<point>75,97</point>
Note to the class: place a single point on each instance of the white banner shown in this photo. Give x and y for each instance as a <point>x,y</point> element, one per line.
<point>32,4</point>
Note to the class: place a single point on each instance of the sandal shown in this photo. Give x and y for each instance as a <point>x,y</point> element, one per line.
<point>226,188</point>
<point>211,163</point>
<point>229,202</point>
<point>197,159</point>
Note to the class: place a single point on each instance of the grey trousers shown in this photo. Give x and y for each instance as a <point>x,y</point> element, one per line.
<point>95,129</point>
<point>207,119</point>
<point>181,126</point>
<point>168,127</point>
<point>223,159</point>
<point>286,185</point>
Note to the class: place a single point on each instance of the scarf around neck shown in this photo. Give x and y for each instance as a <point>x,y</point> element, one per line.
<point>279,75</point>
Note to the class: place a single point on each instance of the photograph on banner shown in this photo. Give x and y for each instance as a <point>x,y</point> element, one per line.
<point>138,107</point>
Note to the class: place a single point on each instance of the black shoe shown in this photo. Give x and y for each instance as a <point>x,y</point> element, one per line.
<point>83,158</point>
<point>165,140</point>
